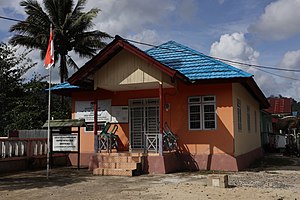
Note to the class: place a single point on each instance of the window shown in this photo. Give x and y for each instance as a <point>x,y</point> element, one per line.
<point>255,121</point>
<point>239,113</point>
<point>248,118</point>
<point>202,113</point>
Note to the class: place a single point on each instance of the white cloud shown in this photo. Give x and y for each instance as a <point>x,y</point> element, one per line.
<point>131,17</point>
<point>291,60</point>
<point>280,20</point>
<point>221,1</point>
<point>146,36</point>
<point>234,47</point>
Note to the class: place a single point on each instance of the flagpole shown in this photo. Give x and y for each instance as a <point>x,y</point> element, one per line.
<point>48,135</point>
<point>49,116</point>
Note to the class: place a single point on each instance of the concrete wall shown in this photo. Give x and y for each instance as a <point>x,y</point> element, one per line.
<point>201,143</point>
<point>15,164</point>
<point>245,140</point>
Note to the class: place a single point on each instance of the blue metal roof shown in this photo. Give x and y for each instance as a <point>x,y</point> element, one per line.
<point>193,64</point>
<point>64,85</point>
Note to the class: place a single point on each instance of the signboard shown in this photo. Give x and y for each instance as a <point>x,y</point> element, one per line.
<point>85,110</point>
<point>65,142</point>
<point>104,110</point>
<point>119,114</point>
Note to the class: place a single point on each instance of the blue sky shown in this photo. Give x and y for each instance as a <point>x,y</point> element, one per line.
<point>262,32</point>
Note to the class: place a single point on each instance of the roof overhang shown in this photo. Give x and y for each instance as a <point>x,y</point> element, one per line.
<point>65,123</point>
<point>65,89</point>
<point>247,82</point>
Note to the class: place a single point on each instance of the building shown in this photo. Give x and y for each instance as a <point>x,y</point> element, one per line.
<point>212,107</point>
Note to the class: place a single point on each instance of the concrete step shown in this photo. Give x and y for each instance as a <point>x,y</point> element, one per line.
<point>119,159</point>
<point>119,164</point>
<point>113,172</point>
<point>126,165</point>
<point>122,154</point>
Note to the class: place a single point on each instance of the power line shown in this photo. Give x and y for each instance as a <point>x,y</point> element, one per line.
<point>10,19</point>
<point>217,58</point>
<point>257,66</point>
<point>226,60</point>
<point>287,77</point>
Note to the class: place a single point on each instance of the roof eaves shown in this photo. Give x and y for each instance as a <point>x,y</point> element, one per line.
<point>257,93</point>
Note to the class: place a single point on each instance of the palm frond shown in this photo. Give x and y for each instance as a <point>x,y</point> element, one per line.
<point>72,30</point>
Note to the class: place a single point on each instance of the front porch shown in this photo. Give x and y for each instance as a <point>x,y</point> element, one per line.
<point>153,149</point>
<point>134,163</point>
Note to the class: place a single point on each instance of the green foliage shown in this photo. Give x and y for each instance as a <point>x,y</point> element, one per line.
<point>72,30</point>
<point>31,110</point>
<point>25,105</point>
<point>12,67</point>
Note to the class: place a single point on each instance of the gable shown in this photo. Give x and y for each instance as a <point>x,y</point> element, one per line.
<point>127,71</point>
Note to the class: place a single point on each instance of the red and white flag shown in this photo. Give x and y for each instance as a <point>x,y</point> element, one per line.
<point>49,58</point>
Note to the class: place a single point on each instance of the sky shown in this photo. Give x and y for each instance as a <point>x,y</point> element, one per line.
<point>259,32</point>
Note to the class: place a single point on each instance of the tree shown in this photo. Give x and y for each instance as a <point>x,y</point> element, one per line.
<point>12,67</point>
<point>71,30</point>
<point>24,105</point>
<point>30,110</point>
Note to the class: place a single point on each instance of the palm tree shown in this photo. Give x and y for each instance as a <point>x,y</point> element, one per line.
<point>71,28</point>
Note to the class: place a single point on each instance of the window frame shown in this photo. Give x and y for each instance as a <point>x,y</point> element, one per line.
<point>248,118</point>
<point>239,114</point>
<point>202,102</point>
<point>255,121</point>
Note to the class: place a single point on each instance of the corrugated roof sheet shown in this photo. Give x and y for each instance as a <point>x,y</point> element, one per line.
<point>280,105</point>
<point>193,64</point>
<point>60,123</point>
<point>64,85</point>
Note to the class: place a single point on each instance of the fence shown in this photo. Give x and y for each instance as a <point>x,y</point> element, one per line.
<point>19,147</point>
<point>35,133</point>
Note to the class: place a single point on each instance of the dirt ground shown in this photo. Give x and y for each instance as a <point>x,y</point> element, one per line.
<point>274,177</point>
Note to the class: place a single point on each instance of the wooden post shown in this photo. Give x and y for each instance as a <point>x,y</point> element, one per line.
<point>95,116</point>
<point>78,150</point>
<point>95,125</point>
<point>161,119</point>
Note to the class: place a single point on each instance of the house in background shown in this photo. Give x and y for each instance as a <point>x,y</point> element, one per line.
<point>279,107</point>
<point>212,107</point>
<point>285,125</point>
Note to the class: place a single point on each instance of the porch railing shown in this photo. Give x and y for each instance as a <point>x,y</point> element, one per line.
<point>168,142</point>
<point>152,142</point>
<point>107,142</point>
<point>16,147</point>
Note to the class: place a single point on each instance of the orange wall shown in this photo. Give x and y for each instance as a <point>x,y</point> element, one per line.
<point>202,141</point>
<point>196,142</point>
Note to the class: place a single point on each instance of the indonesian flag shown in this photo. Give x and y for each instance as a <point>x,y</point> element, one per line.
<point>49,58</point>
